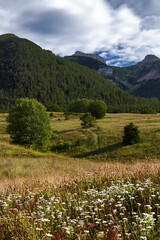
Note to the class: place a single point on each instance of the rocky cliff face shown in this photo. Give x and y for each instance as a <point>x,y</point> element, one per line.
<point>105,71</point>
<point>94,56</point>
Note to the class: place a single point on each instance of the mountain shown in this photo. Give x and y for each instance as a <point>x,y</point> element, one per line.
<point>141,79</point>
<point>93,56</point>
<point>26,70</point>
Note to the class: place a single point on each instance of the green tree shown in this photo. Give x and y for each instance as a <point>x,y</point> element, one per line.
<point>98,109</point>
<point>54,108</point>
<point>87,120</point>
<point>131,134</point>
<point>29,124</point>
<point>79,105</point>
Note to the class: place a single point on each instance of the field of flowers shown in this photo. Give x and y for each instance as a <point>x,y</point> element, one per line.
<point>99,208</point>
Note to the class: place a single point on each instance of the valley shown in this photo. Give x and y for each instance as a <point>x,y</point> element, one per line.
<point>87,184</point>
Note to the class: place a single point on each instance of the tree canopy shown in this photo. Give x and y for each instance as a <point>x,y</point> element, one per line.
<point>29,124</point>
<point>98,109</point>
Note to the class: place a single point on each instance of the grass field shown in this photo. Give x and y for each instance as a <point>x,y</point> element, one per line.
<point>89,186</point>
<point>104,141</point>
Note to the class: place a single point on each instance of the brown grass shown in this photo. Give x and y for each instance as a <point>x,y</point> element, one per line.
<point>33,172</point>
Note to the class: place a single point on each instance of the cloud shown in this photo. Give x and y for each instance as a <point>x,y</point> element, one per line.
<point>48,22</point>
<point>142,7</point>
<point>150,22</point>
<point>118,28</point>
<point>132,51</point>
<point>80,25</point>
<point>65,26</point>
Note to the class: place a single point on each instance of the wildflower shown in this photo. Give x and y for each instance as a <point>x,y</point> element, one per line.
<point>44,220</point>
<point>39,229</point>
<point>142,237</point>
<point>49,235</point>
<point>149,227</point>
<point>119,235</point>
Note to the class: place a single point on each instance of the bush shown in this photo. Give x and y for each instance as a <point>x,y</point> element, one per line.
<point>98,109</point>
<point>131,134</point>
<point>61,146</point>
<point>51,115</point>
<point>147,110</point>
<point>87,120</point>
<point>54,108</point>
<point>29,124</point>
<point>66,115</point>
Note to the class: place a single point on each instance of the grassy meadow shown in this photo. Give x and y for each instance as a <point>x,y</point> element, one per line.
<point>88,186</point>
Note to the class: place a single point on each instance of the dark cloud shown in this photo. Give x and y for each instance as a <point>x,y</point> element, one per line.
<point>141,7</point>
<point>48,22</point>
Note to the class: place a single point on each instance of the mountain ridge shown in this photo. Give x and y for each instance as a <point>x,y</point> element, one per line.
<point>27,70</point>
<point>131,78</point>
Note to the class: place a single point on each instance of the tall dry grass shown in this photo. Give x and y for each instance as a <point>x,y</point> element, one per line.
<point>58,169</point>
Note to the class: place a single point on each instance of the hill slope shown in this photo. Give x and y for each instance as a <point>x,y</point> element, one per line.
<point>141,79</point>
<point>28,71</point>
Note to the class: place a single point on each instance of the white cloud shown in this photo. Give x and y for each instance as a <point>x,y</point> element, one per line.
<point>65,26</point>
<point>96,26</point>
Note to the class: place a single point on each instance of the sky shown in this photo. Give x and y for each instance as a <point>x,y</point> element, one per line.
<point>121,31</point>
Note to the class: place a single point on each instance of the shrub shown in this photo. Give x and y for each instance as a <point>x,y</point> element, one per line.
<point>98,109</point>
<point>66,115</point>
<point>87,120</point>
<point>147,110</point>
<point>54,108</point>
<point>51,115</point>
<point>61,146</point>
<point>29,124</point>
<point>131,134</point>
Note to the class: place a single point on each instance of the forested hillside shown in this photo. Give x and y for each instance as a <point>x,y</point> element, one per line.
<point>28,71</point>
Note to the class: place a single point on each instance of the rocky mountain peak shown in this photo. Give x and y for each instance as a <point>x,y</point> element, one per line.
<point>94,56</point>
<point>148,61</point>
<point>151,58</point>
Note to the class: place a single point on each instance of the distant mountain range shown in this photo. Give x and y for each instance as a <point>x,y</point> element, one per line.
<point>26,70</point>
<point>141,79</point>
